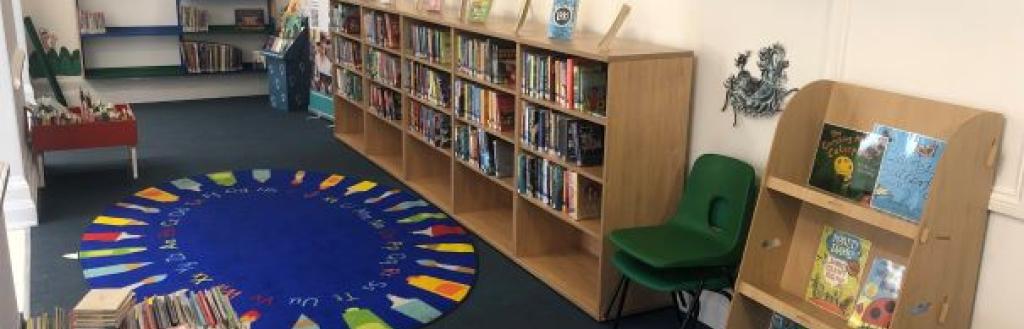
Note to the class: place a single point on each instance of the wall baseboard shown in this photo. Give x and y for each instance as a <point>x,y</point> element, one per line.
<point>19,206</point>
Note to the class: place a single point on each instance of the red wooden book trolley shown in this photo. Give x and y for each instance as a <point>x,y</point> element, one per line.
<point>86,135</point>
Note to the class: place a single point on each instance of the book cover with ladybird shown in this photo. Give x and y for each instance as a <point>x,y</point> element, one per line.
<point>834,164</point>
<point>906,172</point>
<point>877,302</point>
<point>835,277</point>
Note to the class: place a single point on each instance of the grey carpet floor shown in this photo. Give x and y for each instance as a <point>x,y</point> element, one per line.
<point>195,137</point>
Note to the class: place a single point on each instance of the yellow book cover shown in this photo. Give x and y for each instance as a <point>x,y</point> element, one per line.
<point>835,277</point>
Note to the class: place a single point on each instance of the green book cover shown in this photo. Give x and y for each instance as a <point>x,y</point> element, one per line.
<point>835,277</point>
<point>834,160</point>
<point>479,10</point>
<point>865,166</point>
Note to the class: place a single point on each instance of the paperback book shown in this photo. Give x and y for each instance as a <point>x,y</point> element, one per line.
<point>906,172</point>
<point>563,19</point>
<point>838,265</point>
<point>479,10</point>
<point>878,296</point>
<point>834,160</point>
<point>866,166</point>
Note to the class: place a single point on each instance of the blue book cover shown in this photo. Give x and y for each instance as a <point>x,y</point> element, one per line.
<point>905,174</point>
<point>563,19</point>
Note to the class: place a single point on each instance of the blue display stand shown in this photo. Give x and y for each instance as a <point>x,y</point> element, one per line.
<point>289,73</point>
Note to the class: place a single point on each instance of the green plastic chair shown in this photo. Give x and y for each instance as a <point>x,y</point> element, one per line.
<point>697,248</point>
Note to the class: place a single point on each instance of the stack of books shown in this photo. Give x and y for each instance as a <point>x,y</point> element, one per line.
<point>210,57</point>
<point>194,19</point>
<point>103,309</point>
<point>91,22</point>
<point>185,309</point>
<point>56,320</point>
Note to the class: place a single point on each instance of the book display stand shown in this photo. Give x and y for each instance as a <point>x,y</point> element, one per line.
<point>288,72</point>
<point>942,253</point>
<point>645,137</point>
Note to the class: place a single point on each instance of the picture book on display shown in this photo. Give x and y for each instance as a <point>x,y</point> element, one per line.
<point>563,19</point>
<point>479,10</point>
<point>833,168</point>
<point>838,265</point>
<point>906,172</point>
<point>878,295</point>
<point>866,166</point>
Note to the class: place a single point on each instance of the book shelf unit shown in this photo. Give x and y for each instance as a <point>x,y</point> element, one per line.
<point>128,33</point>
<point>942,253</point>
<point>645,148</point>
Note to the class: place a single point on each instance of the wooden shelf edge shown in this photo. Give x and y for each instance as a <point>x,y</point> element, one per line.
<point>373,112</point>
<point>352,37</point>
<point>429,103</point>
<point>383,84</point>
<point>394,52</point>
<point>575,113</point>
<point>590,226</point>
<point>594,173</point>
<point>845,207</point>
<point>496,235</point>
<point>507,136</point>
<point>428,63</point>
<point>505,182</point>
<point>572,287</point>
<point>348,67</point>
<point>482,82</point>
<point>785,307</point>
<point>421,139</point>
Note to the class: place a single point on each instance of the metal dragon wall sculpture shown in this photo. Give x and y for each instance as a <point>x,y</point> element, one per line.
<point>758,97</point>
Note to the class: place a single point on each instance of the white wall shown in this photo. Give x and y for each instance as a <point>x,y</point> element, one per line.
<point>966,52</point>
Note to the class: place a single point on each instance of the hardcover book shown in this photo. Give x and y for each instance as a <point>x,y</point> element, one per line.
<point>878,296</point>
<point>563,19</point>
<point>479,10</point>
<point>837,269</point>
<point>906,172</point>
<point>834,160</point>
<point>866,165</point>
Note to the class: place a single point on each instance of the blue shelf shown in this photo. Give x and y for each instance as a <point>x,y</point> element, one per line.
<point>136,31</point>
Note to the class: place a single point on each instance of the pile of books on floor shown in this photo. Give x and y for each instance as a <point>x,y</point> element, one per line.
<point>91,22</point>
<point>210,57</point>
<point>194,19</point>
<point>185,309</point>
<point>103,309</point>
<point>56,320</point>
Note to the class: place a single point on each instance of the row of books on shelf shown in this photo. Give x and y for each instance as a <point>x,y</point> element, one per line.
<point>484,106</point>
<point>561,189</point>
<point>92,22</point>
<point>488,59</point>
<point>576,141</point>
<point>194,19</point>
<point>381,29</point>
<point>347,51</point>
<point>431,43</point>
<point>349,84</point>
<point>493,156</point>
<point>839,285</point>
<point>429,84</point>
<point>210,57</point>
<point>386,102</point>
<point>431,124</point>
<point>888,169</point>
<point>567,81</point>
<point>344,18</point>
<point>384,67</point>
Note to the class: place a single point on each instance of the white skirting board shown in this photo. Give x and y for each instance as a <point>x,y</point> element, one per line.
<point>19,207</point>
<point>165,89</point>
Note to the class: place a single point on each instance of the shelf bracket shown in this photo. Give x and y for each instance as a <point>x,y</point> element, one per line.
<point>616,26</point>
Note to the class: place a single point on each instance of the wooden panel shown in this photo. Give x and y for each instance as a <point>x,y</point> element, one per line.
<point>843,206</point>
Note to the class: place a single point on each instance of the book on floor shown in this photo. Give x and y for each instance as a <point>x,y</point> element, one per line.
<point>906,172</point>
<point>838,265</point>
<point>878,295</point>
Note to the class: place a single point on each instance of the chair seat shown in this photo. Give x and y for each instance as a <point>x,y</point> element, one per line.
<point>669,246</point>
<point>669,280</point>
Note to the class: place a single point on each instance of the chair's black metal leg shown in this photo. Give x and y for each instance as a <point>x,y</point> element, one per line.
<point>691,310</point>
<point>676,306</point>
<point>622,303</point>
<point>615,296</point>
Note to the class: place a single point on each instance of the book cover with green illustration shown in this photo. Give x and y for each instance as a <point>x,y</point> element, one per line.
<point>835,277</point>
<point>834,160</point>
<point>865,166</point>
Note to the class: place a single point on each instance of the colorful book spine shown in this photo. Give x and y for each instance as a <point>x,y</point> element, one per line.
<point>382,29</point>
<point>431,43</point>
<point>432,125</point>
<point>495,110</point>
<point>569,82</point>
<point>487,59</point>
<point>429,85</point>
<point>383,68</point>
<point>349,84</point>
<point>386,102</point>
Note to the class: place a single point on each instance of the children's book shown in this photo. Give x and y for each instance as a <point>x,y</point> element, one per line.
<point>865,166</point>
<point>779,321</point>
<point>906,172</point>
<point>563,19</point>
<point>837,269</point>
<point>878,295</point>
<point>834,161</point>
<point>479,10</point>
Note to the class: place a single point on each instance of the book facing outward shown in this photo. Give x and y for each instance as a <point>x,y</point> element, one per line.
<point>563,19</point>
<point>834,163</point>
<point>866,166</point>
<point>102,309</point>
<point>479,10</point>
<point>838,265</point>
<point>878,295</point>
<point>779,321</point>
<point>906,172</point>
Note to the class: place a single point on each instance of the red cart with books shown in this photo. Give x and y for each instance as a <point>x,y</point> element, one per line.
<point>84,130</point>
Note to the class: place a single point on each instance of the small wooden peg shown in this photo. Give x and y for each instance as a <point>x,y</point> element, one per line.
<point>522,16</point>
<point>614,29</point>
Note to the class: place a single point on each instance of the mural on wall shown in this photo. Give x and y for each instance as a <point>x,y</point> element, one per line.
<point>758,97</point>
<point>63,62</point>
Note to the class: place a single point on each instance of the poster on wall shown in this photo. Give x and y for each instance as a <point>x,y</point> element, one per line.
<point>321,101</point>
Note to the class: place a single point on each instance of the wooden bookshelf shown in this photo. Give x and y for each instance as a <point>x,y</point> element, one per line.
<point>942,253</point>
<point>646,139</point>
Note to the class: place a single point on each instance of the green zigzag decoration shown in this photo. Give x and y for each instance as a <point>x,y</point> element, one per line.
<point>64,63</point>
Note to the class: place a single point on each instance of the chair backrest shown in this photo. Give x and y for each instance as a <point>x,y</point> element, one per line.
<point>718,201</point>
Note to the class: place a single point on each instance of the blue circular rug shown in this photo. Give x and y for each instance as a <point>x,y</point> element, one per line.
<point>293,249</point>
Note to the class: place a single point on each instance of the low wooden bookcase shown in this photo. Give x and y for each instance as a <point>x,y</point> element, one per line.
<point>942,253</point>
<point>645,149</point>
